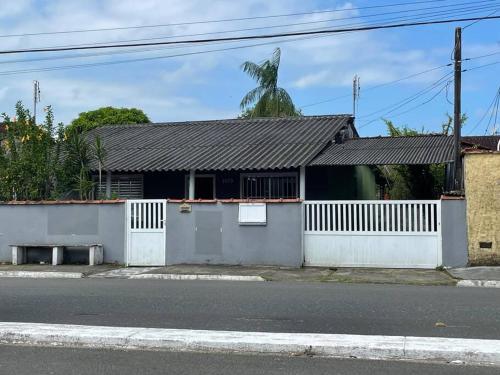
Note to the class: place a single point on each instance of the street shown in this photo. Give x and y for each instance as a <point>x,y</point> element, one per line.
<point>69,361</point>
<point>256,306</point>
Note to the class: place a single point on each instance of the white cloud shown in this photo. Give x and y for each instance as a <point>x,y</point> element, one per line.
<point>176,89</point>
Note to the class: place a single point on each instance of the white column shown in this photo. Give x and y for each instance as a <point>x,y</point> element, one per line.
<point>191,183</point>
<point>302,184</point>
<point>57,255</point>
<point>108,184</point>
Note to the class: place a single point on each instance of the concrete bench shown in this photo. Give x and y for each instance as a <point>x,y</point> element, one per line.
<point>19,252</point>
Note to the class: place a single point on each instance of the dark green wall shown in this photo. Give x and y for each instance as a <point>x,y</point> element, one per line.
<point>340,183</point>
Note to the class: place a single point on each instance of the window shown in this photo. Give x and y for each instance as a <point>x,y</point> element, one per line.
<point>204,186</point>
<point>269,185</point>
<point>122,186</point>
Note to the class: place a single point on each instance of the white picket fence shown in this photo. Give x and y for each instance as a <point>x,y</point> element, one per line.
<point>399,234</point>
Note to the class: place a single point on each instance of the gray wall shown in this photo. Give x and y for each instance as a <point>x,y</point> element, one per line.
<point>67,224</point>
<point>454,229</point>
<point>210,234</point>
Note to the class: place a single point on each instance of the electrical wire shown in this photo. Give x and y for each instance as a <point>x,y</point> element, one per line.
<point>155,49</point>
<point>495,111</point>
<point>438,84</point>
<point>253,37</point>
<point>448,12</point>
<point>486,112</point>
<point>383,6</point>
<point>380,85</point>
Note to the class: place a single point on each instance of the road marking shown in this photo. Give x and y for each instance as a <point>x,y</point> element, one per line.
<point>331,345</point>
<point>174,276</point>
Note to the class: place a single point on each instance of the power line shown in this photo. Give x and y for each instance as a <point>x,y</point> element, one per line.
<point>482,56</point>
<point>253,37</point>
<point>448,12</point>
<point>380,85</point>
<point>402,103</point>
<point>225,20</point>
<point>473,23</point>
<point>417,95</point>
<point>441,87</point>
<point>403,79</point>
<point>53,68</point>
<point>495,110</point>
<point>163,48</point>
<point>481,66</point>
<point>486,112</point>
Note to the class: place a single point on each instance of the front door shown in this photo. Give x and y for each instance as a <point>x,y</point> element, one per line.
<point>146,232</point>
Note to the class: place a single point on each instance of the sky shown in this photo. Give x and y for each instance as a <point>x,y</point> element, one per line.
<point>177,83</point>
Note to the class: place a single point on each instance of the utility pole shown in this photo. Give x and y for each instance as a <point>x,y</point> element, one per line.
<point>457,167</point>
<point>36,98</point>
<point>355,94</point>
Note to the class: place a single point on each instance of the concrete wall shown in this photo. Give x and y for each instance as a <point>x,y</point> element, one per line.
<point>79,223</point>
<point>454,232</point>
<point>210,234</point>
<point>482,191</point>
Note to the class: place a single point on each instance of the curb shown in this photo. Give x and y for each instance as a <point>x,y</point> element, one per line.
<point>479,283</point>
<point>175,276</point>
<point>329,345</point>
<point>41,275</point>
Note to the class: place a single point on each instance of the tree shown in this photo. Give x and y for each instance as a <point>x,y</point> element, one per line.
<point>267,99</point>
<point>39,162</point>
<point>29,156</point>
<point>107,116</point>
<point>416,181</point>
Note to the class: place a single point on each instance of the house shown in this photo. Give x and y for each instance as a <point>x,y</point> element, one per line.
<point>482,142</point>
<point>309,157</point>
<point>482,192</point>
<point>268,191</point>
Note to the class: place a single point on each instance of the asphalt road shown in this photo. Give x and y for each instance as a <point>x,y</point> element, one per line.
<point>256,306</point>
<point>67,361</point>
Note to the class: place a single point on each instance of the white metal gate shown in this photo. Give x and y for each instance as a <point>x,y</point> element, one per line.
<point>146,232</point>
<point>392,234</point>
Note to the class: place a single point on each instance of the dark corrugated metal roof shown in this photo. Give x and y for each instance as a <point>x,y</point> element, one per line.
<point>425,149</point>
<point>220,144</point>
<point>489,142</point>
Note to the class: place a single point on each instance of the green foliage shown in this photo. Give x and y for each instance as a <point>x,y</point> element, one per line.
<point>39,162</point>
<point>107,116</point>
<point>29,155</point>
<point>415,181</point>
<point>267,99</point>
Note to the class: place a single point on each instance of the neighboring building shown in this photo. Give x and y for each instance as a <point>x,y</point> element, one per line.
<point>482,191</point>
<point>309,157</point>
<point>482,142</point>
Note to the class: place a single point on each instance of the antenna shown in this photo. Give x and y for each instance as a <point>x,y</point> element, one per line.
<point>36,98</point>
<point>355,94</point>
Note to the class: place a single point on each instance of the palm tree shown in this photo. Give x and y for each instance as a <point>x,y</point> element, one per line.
<point>267,99</point>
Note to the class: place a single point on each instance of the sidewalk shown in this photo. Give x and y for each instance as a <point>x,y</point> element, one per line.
<point>235,273</point>
<point>314,274</point>
<point>47,271</point>
<point>477,276</point>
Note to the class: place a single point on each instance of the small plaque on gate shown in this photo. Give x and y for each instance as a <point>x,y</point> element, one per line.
<point>185,207</point>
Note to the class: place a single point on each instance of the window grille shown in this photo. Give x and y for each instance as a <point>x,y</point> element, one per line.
<point>269,186</point>
<point>122,186</point>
